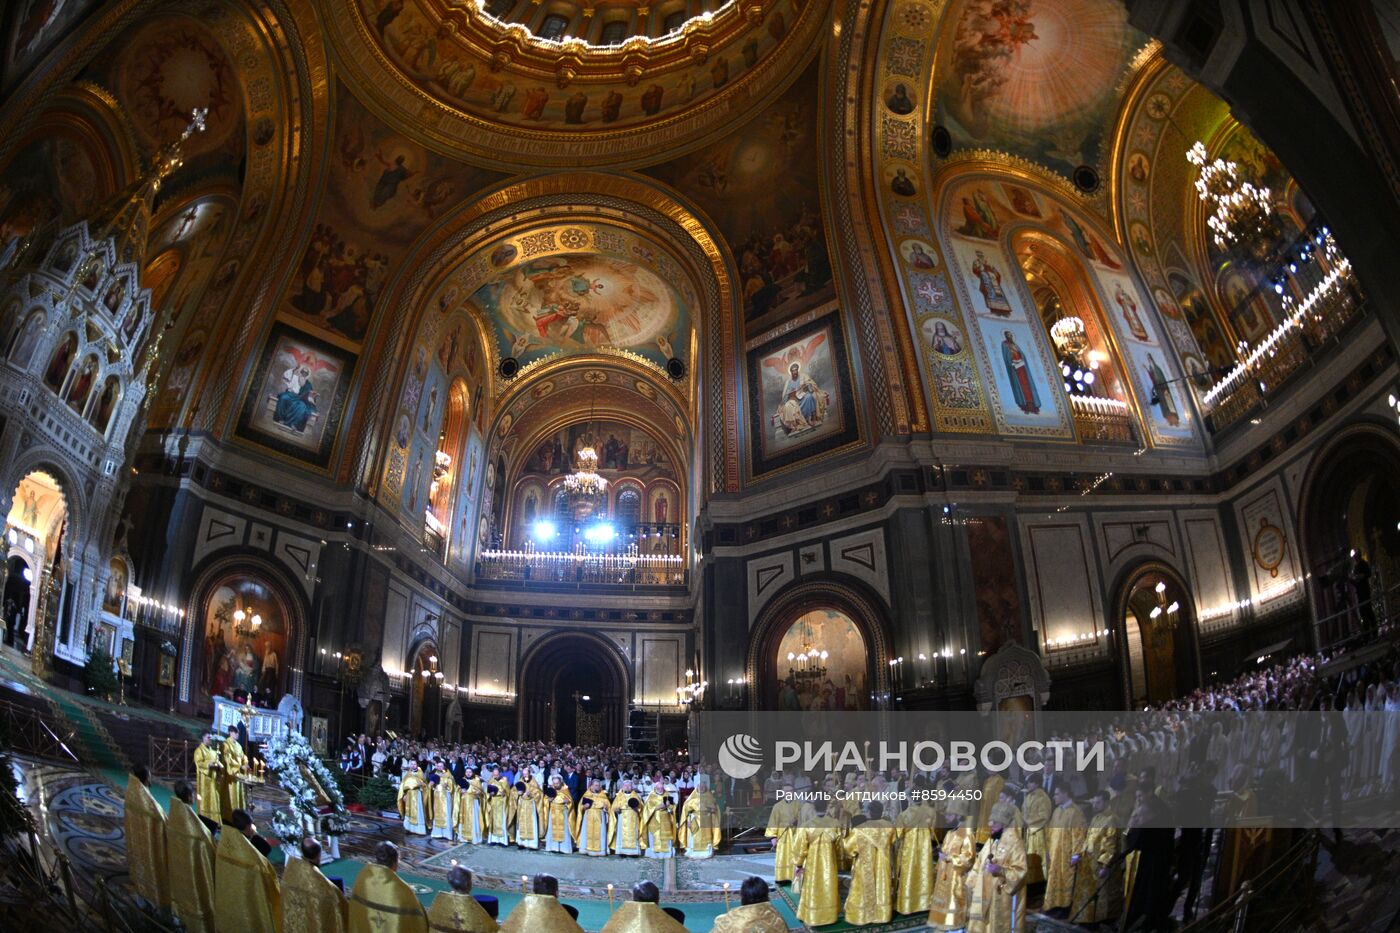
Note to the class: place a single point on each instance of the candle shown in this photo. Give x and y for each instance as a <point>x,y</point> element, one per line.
<point>610,898</point>
<point>726,895</point>
<point>524,884</point>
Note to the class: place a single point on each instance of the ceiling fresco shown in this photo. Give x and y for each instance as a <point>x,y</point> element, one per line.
<point>1037,79</point>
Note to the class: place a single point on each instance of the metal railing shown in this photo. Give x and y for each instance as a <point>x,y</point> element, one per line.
<point>555,570</point>
<point>1271,901</point>
<point>25,731</point>
<point>1346,623</point>
<point>1102,419</point>
<point>170,758</point>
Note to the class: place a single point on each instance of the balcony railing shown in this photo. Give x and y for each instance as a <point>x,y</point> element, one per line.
<point>582,568</point>
<point>1102,419</point>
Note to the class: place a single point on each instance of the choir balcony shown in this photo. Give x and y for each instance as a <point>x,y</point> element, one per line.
<point>653,563</point>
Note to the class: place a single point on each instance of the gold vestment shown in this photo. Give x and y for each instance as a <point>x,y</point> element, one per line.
<point>1064,838</point>
<point>560,816</point>
<point>247,898</point>
<point>659,825</point>
<point>782,823</point>
<point>311,903</point>
<point>540,913</point>
<point>914,864</point>
<point>814,851</point>
<point>871,897</point>
<point>639,917</point>
<point>381,903</point>
<point>499,813</point>
<point>751,918</point>
<point>444,806</point>
<point>699,830</point>
<point>1037,811</point>
<point>233,795</point>
<point>625,834</point>
<point>591,824</point>
<point>991,790</point>
<point>948,905</point>
<point>470,814</point>
<point>459,913</point>
<point>1098,899</point>
<point>189,856</point>
<point>144,823</point>
<point>413,802</point>
<point>208,765</point>
<point>997,903</point>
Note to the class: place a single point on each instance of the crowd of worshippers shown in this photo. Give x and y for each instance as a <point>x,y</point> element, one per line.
<point>215,877</point>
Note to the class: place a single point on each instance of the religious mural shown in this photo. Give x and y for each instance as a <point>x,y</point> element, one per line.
<point>760,185</point>
<point>239,657</point>
<point>441,64</point>
<point>384,190</point>
<point>1038,79</point>
<point>419,439</point>
<point>297,396</point>
<point>800,398</point>
<point>843,684</point>
<point>36,24</point>
<point>53,176</point>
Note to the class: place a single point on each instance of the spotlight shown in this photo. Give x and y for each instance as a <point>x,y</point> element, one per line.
<point>1064,368</point>
<point>28,575</point>
<point>599,533</point>
<point>1089,379</point>
<point>543,530</point>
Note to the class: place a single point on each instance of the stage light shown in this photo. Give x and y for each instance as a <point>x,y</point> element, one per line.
<point>543,530</point>
<point>1088,378</point>
<point>599,533</point>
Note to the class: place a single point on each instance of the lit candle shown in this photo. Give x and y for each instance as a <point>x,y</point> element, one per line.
<point>726,895</point>
<point>524,884</point>
<point>610,898</point>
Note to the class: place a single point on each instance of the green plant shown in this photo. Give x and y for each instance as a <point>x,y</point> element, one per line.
<point>378,794</point>
<point>98,675</point>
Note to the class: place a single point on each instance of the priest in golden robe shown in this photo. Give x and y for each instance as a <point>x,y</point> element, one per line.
<point>414,801</point>
<point>456,911</point>
<point>625,835</point>
<point>1064,841</point>
<point>381,902</point>
<point>914,861</point>
<point>247,897</point>
<point>870,848</point>
<point>498,810</point>
<point>444,809</point>
<point>816,866</point>
<point>311,903</point>
<point>525,814</point>
<point>991,796</point>
<point>948,904</point>
<point>698,830</point>
<point>144,824</point>
<point>232,761</point>
<point>1037,810</point>
<point>754,913</point>
<point>540,911</point>
<point>997,881</point>
<point>471,809</point>
<point>189,856</point>
<point>642,914</point>
<point>559,817</point>
<point>591,821</point>
<point>659,822</point>
<point>782,829</point>
<point>208,766</point>
<point>1098,892</point>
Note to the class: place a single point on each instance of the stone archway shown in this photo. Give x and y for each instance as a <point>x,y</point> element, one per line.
<point>575,689</point>
<point>425,691</point>
<point>1155,624</point>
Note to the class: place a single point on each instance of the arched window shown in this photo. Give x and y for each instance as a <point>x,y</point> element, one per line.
<point>614,33</point>
<point>447,467</point>
<point>554,26</point>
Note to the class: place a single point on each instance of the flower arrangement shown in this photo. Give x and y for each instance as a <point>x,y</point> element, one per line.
<point>292,761</point>
<point>287,825</point>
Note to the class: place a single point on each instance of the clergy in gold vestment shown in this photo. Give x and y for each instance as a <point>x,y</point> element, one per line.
<point>698,830</point>
<point>456,911</point>
<point>231,762</point>
<point>189,855</point>
<point>144,823</point>
<point>914,864</point>
<point>1098,894</point>
<point>381,902</point>
<point>659,822</point>
<point>625,835</point>
<point>471,811</point>
<point>870,847</point>
<point>247,898</point>
<point>208,765</point>
<point>1064,841</point>
<point>414,801</point>
<point>1037,811</point>
<point>559,817</point>
<point>540,913</point>
<point>782,829</point>
<point>444,802</point>
<point>641,917</point>
<point>996,884</point>
<point>525,814</point>
<point>310,902</point>
<point>591,821</point>
<point>815,868</point>
<point>991,796</point>
<point>498,810</point>
<point>751,918</point>
<point>948,905</point>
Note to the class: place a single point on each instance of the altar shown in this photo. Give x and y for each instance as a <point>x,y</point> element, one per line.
<point>263,724</point>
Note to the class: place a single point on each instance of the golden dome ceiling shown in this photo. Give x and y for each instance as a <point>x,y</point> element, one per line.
<point>491,87</point>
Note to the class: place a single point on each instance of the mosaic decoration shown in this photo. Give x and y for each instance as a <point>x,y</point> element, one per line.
<point>1036,79</point>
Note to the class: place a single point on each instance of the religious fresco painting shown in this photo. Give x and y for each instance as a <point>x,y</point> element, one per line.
<point>761,187</point>
<point>445,67</point>
<point>238,657</point>
<point>423,441</point>
<point>35,25</point>
<point>801,402</point>
<point>462,544</point>
<point>622,451</point>
<point>994,580</point>
<point>844,686</point>
<point>584,301</point>
<point>1038,80</point>
<point>297,396</point>
<point>384,190</point>
<point>50,177</point>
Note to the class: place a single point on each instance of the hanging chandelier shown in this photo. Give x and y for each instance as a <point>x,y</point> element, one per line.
<point>584,485</point>
<point>808,665</point>
<point>1242,215</point>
